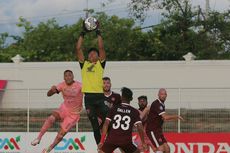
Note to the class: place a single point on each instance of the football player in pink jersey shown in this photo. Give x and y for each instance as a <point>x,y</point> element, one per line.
<point>69,111</point>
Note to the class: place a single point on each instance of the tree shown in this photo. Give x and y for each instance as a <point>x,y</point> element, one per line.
<point>48,41</point>
<point>173,35</point>
<point>218,28</point>
<point>186,29</point>
<point>183,29</point>
<point>3,37</point>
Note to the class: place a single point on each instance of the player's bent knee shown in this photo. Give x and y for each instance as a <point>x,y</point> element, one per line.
<point>56,116</point>
<point>51,119</point>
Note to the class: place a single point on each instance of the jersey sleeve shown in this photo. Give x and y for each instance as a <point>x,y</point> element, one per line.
<point>159,109</point>
<point>59,87</point>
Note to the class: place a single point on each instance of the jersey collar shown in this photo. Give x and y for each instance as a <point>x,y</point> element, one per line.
<point>109,94</point>
<point>160,102</point>
<point>125,104</point>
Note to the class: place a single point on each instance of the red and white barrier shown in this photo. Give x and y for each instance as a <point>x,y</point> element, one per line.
<point>83,142</point>
<point>199,142</point>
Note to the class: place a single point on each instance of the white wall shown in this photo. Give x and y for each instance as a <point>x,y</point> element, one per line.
<point>136,75</point>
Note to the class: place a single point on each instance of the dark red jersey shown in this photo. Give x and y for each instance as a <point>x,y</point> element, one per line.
<point>154,120</point>
<point>113,99</point>
<point>122,118</point>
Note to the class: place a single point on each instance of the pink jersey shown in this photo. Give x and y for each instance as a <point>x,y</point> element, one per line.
<point>72,96</point>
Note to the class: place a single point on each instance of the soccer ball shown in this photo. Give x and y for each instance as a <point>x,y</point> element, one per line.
<point>91,24</point>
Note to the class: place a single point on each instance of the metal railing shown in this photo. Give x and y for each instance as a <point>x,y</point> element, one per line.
<point>204,109</point>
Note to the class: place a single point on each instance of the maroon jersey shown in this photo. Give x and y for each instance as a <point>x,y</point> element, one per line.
<point>112,99</point>
<point>122,118</point>
<point>154,120</point>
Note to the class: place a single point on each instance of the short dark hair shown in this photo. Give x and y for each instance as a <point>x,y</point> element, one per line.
<point>143,97</point>
<point>106,78</point>
<point>68,71</point>
<point>127,93</point>
<point>93,49</point>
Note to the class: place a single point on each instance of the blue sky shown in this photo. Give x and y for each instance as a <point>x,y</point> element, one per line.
<point>69,11</point>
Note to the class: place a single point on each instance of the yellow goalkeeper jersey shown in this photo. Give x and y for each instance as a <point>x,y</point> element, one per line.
<point>92,74</point>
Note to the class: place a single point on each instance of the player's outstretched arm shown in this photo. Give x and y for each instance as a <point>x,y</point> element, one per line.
<point>140,130</point>
<point>52,91</point>
<point>79,52</point>
<point>167,117</point>
<point>103,135</point>
<point>102,55</point>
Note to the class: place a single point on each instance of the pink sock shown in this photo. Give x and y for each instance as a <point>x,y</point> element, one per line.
<point>48,123</point>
